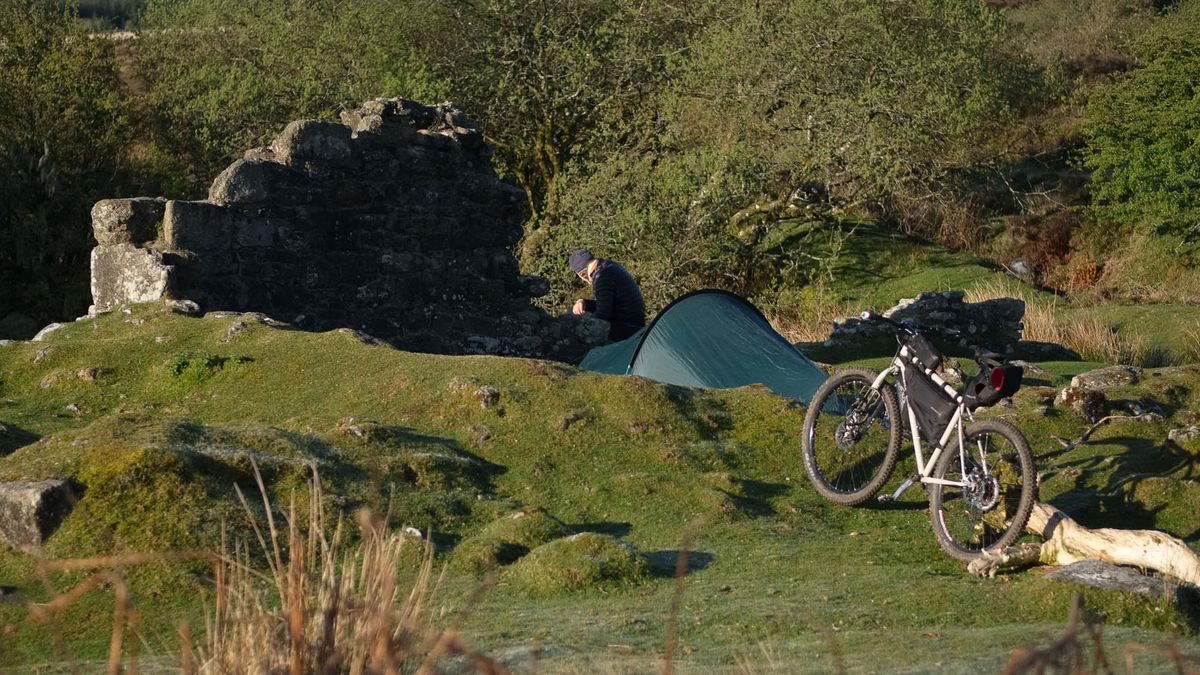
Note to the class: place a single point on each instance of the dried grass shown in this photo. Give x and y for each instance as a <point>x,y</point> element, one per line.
<point>808,316</point>
<point>322,607</point>
<point>1088,335</point>
<point>1080,651</point>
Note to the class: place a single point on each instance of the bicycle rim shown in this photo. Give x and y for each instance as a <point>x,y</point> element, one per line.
<point>851,439</point>
<point>991,509</point>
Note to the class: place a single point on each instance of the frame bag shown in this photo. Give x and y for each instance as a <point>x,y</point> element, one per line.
<point>932,404</point>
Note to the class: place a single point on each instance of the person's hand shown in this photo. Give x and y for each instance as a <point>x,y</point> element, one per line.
<point>578,309</point>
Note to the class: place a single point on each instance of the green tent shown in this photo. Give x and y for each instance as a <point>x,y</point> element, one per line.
<point>711,338</point>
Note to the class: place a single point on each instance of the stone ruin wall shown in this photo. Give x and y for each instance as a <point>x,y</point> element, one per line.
<point>393,223</point>
<point>947,318</point>
<point>951,322</point>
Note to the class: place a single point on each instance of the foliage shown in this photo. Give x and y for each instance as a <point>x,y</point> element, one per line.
<point>664,217</point>
<point>1142,148</point>
<point>553,82</point>
<point>1084,36</point>
<point>871,100</point>
<point>226,75</point>
<point>62,128</point>
<point>850,103</point>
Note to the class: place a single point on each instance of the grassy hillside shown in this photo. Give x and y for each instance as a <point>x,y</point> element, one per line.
<point>868,266</point>
<point>155,416</point>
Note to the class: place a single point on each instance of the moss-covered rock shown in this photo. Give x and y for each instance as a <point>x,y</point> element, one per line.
<point>506,539</point>
<point>582,562</point>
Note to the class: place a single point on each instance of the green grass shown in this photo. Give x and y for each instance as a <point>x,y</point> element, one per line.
<point>1175,327</point>
<point>777,576</point>
<point>875,266</point>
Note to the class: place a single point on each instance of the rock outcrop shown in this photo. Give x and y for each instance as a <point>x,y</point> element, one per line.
<point>31,509</point>
<point>946,317</point>
<point>393,223</point>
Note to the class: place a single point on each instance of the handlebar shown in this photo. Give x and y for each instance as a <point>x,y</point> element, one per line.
<point>872,316</point>
<point>981,354</point>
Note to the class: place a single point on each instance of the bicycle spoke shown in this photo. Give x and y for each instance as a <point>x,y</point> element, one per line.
<point>851,440</point>
<point>982,512</point>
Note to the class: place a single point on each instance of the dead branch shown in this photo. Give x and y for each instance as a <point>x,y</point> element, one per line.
<point>1068,542</point>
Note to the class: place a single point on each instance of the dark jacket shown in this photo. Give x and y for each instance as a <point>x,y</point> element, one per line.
<point>618,300</point>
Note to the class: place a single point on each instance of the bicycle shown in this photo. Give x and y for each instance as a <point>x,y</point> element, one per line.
<point>981,480</point>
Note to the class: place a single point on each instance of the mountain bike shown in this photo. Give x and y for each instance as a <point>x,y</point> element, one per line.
<point>981,480</point>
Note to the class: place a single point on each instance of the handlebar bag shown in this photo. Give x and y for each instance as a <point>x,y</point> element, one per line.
<point>920,347</point>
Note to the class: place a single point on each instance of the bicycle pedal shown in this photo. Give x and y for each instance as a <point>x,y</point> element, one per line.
<point>884,499</point>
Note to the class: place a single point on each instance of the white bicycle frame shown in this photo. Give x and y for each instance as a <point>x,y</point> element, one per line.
<point>903,361</point>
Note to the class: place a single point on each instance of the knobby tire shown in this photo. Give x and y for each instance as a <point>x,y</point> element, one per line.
<point>851,473</point>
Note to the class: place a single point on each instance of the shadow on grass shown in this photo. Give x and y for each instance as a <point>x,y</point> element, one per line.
<point>755,498</point>
<point>13,438</point>
<point>875,504</point>
<point>1104,484</point>
<point>611,528</point>
<point>666,563</point>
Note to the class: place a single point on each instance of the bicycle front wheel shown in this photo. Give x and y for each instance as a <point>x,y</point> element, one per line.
<point>851,437</point>
<point>999,486</point>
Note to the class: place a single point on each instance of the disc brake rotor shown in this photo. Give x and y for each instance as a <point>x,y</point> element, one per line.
<point>981,492</point>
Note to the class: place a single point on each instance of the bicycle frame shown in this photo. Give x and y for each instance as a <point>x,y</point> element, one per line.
<point>900,364</point>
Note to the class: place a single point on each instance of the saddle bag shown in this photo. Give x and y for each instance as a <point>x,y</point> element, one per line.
<point>994,382</point>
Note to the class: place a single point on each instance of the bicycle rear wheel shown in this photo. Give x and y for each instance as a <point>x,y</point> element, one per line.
<point>851,437</point>
<point>990,510</point>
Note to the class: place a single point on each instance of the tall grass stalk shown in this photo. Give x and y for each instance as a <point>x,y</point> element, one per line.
<point>323,608</point>
<point>1087,335</point>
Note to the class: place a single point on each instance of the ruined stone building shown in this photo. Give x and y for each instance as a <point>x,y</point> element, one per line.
<point>393,222</point>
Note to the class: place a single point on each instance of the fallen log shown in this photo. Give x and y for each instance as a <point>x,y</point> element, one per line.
<point>1068,542</point>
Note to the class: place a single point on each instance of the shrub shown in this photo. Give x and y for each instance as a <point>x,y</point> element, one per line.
<point>664,217</point>
<point>226,75</point>
<point>1086,36</point>
<point>63,124</point>
<point>1141,133</point>
<point>870,99</point>
<point>553,83</point>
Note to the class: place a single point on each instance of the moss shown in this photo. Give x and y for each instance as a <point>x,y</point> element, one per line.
<point>506,539</point>
<point>581,562</point>
<point>156,459</point>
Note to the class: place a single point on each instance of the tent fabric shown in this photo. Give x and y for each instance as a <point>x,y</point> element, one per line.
<point>711,338</point>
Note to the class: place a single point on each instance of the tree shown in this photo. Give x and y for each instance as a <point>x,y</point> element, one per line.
<point>775,105</point>
<point>227,75</point>
<point>63,124</point>
<point>1143,139</point>
<point>875,100</point>
<point>554,83</point>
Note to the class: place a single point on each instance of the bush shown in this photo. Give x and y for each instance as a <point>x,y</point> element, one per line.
<point>664,217</point>
<point>1086,37</point>
<point>557,82</point>
<point>873,100</point>
<point>1141,133</point>
<point>63,125</point>
<point>226,76</point>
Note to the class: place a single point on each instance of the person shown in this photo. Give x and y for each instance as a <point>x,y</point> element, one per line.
<point>617,297</point>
